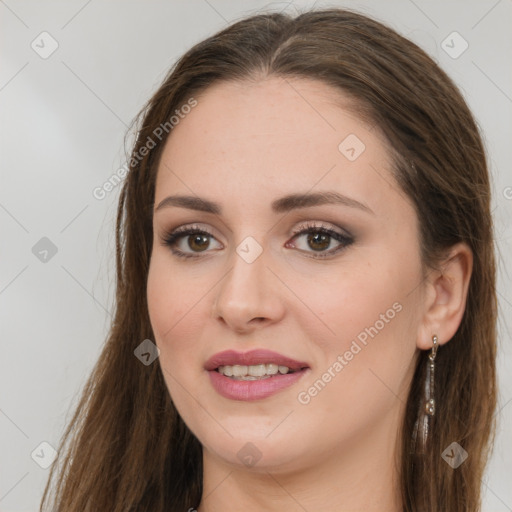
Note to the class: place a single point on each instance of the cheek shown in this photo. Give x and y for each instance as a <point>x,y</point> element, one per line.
<point>367,331</point>
<point>347,304</point>
<point>171,296</point>
<point>174,309</point>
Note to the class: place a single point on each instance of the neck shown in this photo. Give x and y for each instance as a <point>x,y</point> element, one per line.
<point>360,475</point>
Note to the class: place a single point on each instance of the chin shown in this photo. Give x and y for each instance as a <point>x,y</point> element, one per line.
<point>256,451</point>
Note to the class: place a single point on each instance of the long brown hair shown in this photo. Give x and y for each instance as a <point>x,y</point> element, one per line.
<point>126,448</point>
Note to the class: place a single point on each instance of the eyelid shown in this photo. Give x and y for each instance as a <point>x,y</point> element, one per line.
<point>318,224</point>
<point>186,228</point>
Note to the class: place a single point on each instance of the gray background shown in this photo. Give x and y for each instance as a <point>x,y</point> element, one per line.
<point>63,122</point>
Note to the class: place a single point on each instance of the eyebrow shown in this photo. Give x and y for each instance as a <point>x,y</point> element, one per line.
<point>281,205</point>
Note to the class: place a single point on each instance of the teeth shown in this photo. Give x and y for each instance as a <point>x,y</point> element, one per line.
<point>272,369</point>
<point>250,377</point>
<point>257,370</point>
<point>253,372</point>
<point>239,371</point>
<point>226,370</point>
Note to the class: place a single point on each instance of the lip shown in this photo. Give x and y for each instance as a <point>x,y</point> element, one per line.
<point>257,356</point>
<point>249,390</point>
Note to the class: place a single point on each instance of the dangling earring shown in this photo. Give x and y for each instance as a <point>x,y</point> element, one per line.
<point>428,406</point>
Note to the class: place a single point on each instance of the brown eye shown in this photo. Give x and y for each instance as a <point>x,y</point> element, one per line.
<point>188,242</point>
<point>318,241</point>
<point>199,242</point>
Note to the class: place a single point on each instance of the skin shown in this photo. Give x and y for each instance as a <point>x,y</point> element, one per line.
<point>244,145</point>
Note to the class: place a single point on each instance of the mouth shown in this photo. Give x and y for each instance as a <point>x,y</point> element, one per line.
<point>253,375</point>
<point>256,371</point>
<point>254,363</point>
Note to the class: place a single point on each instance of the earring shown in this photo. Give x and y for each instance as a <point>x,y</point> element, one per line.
<point>428,407</point>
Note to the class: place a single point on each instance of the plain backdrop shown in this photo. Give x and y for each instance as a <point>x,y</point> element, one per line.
<point>72,77</point>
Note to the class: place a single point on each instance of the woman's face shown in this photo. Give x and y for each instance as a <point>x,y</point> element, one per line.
<point>331,280</point>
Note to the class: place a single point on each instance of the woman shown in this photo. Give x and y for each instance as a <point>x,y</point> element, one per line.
<point>306,300</point>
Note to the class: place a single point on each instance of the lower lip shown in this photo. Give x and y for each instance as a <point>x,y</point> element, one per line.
<point>248,390</point>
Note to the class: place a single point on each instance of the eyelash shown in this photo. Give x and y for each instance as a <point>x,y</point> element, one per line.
<point>170,239</point>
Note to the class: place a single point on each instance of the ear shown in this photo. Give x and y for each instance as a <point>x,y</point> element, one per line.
<point>445,297</point>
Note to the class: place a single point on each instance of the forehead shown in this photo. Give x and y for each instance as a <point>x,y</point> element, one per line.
<point>277,134</point>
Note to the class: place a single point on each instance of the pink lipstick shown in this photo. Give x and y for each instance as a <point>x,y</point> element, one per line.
<point>253,375</point>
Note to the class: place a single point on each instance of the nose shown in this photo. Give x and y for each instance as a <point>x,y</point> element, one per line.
<point>249,296</point>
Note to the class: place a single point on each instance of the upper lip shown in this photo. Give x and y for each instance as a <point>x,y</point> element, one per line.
<point>252,357</point>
